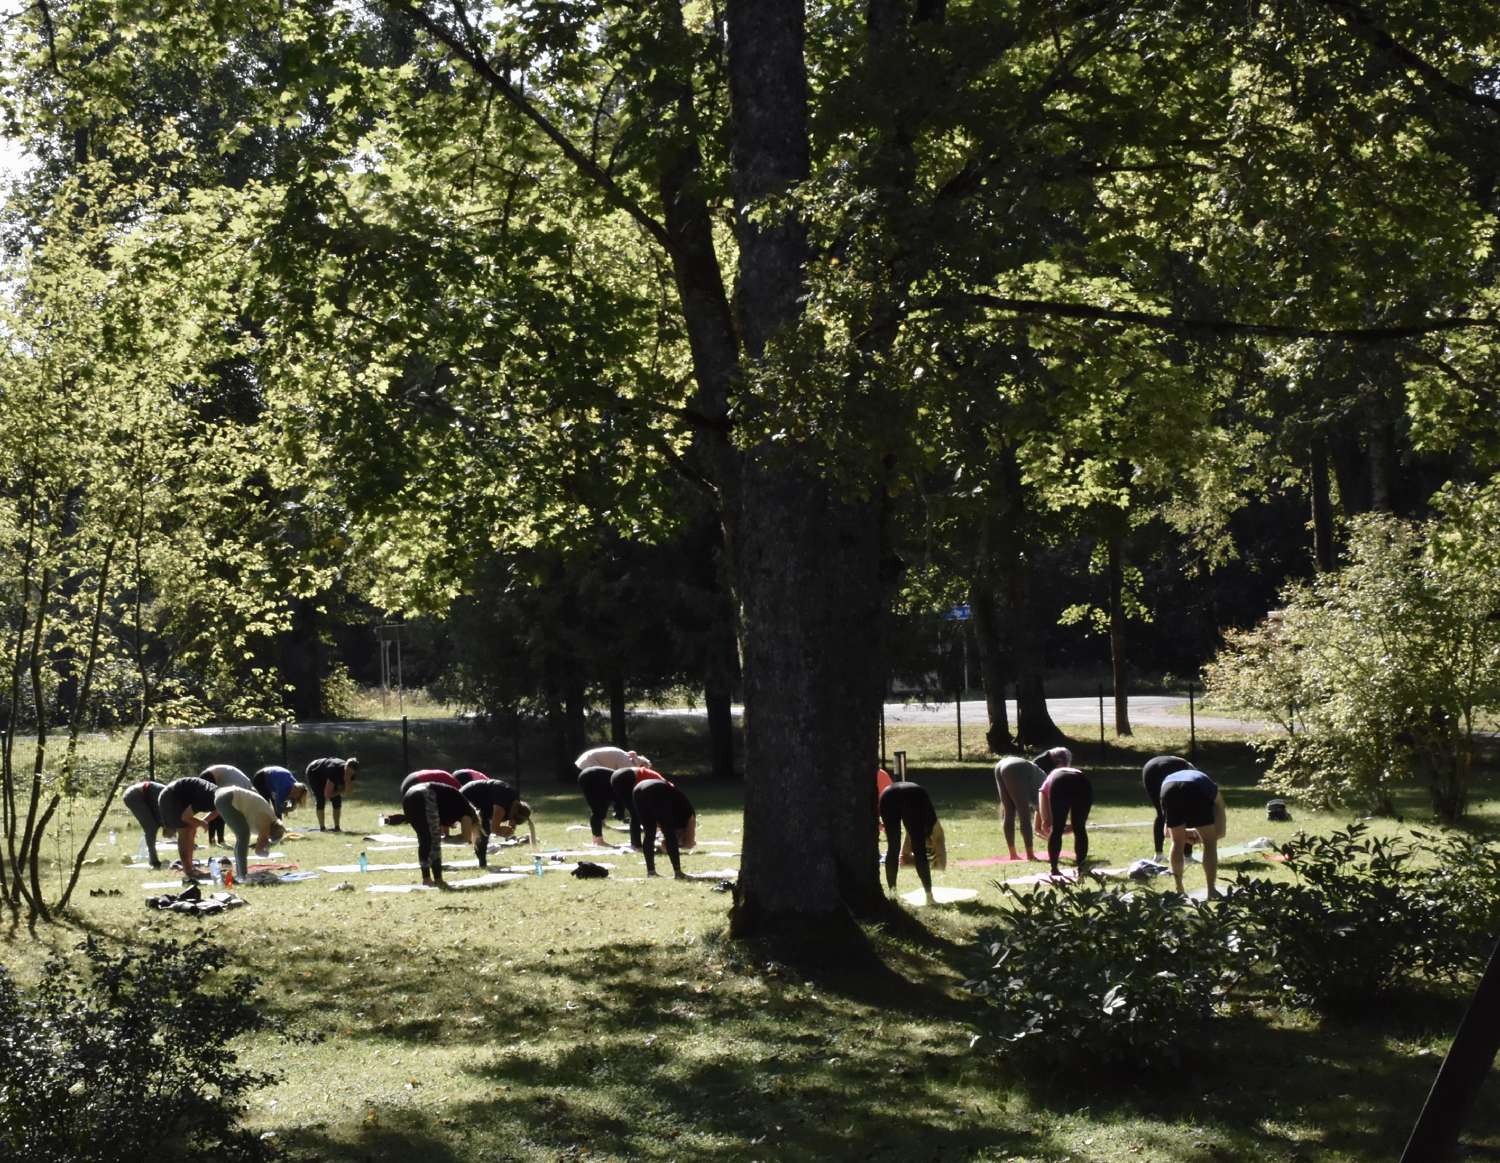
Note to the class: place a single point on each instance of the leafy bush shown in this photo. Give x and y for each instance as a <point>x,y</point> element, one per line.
<point>1377,672</point>
<point>127,1059</point>
<point>1364,915</point>
<point>1105,977</point>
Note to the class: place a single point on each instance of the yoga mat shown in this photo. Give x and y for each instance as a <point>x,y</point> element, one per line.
<point>1115,827</point>
<point>389,838</point>
<point>163,884</point>
<point>577,852</point>
<point>942,894</point>
<point>1045,877</point>
<point>408,866</point>
<point>989,861</point>
<point>485,881</point>
<point>720,874</point>
<point>265,876</point>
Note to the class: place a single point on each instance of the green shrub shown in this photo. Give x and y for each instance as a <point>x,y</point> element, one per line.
<point>1104,977</point>
<point>128,1059</point>
<point>1365,914</point>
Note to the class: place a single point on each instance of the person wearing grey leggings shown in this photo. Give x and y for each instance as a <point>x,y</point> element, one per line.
<point>223,775</point>
<point>1019,782</point>
<point>247,813</point>
<point>141,799</point>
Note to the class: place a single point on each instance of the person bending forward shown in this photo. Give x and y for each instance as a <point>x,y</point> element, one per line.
<point>907,804</point>
<point>1194,808</point>
<point>662,805</point>
<point>1066,795</point>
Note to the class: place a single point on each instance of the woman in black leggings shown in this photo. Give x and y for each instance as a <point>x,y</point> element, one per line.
<point>1067,794</point>
<point>598,791</point>
<point>1152,774</point>
<point>906,803</point>
<point>431,809</point>
<point>659,804</point>
<point>499,809</point>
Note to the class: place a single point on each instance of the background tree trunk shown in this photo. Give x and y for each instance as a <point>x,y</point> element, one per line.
<point>994,669</point>
<point>1115,551</point>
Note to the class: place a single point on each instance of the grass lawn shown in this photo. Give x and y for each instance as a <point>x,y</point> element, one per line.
<point>555,1018</point>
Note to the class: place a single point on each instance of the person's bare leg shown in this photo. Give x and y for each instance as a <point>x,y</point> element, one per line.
<point>1209,855</point>
<point>1008,821</point>
<point>1179,841</point>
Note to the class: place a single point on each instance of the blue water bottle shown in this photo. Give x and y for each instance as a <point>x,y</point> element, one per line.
<point>364,862</point>
<point>536,865</point>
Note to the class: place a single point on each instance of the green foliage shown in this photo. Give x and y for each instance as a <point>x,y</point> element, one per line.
<point>1366,914</point>
<point>1104,977</point>
<point>1377,671</point>
<point>128,1057</point>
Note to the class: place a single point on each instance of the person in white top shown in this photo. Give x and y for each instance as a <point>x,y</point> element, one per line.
<point>613,758</point>
<point>223,775</point>
<point>248,812</point>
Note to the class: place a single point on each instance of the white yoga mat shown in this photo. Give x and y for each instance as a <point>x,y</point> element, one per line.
<point>942,894</point>
<point>1045,877</point>
<point>485,881</point>
<point>407,866</point>
<point>721,874</point>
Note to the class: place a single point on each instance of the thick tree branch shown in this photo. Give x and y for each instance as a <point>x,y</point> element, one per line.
<point>1362,23</point>
<point>1187,325</point>
<point>471,55</point>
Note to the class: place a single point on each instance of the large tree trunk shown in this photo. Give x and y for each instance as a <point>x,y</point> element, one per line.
<point>810,594</point>
<point>994,669</point>
<point>1115,553</point>
<point>1034,725</point>
<point>806,560</point>
<point>617,725</point>
<point>718,693</point>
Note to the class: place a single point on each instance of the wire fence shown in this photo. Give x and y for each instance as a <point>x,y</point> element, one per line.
<point>390,748</point>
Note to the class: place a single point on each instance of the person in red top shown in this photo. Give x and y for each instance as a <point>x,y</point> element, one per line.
<point>430,775</point>
<point>622,788</point>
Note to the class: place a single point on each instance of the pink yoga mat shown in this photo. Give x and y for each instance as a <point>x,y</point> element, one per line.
<point>989,861</point>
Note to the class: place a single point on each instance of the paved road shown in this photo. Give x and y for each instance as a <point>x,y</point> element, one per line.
<point>1145,711</point>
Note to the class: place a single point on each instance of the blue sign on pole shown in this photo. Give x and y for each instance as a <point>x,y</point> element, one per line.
<point>957,614</point>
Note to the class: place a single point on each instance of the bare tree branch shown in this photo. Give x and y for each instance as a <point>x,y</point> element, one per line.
<point>1362,23</point>
<point>470,53</point>
<point>1188,325</point>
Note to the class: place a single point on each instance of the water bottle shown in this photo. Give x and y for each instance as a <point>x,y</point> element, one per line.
<point>143,853</point>
<point>364,862</point>
<point>228,875</point>
<point>114,837</point>
<point>536,865</point>
<point>213,871</point>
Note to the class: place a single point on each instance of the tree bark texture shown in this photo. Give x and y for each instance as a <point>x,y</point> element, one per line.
<point>1115,552</point>
<point>810,596</point>
<point>994,668</point>
<point>618,734</point>
<point>806,559</point>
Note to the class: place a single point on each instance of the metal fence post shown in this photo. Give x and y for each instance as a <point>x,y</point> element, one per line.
<point>405,745</point>
<point>151,754</point>
<point>900,772</point>
<point>283,743</point>
<point>958,707</point>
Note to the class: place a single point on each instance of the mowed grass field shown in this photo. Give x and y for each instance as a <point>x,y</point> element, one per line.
<point>564,1019</point>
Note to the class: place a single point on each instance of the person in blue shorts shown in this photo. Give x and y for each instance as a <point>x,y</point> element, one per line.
<point>1194,811</point>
